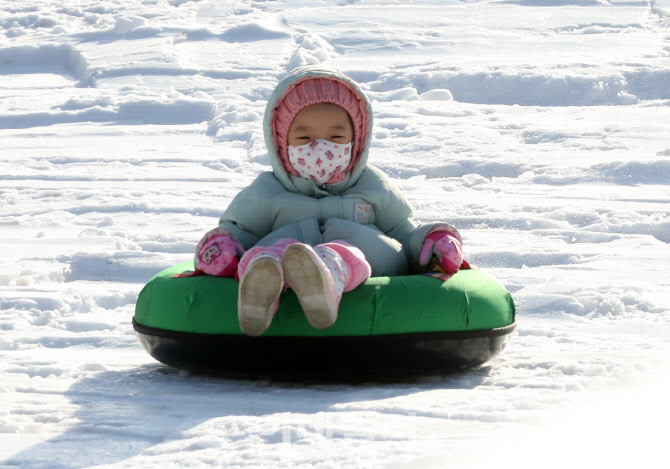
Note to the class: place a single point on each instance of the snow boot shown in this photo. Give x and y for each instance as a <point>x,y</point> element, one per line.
<point>260,287</point>
<point>318,276</point>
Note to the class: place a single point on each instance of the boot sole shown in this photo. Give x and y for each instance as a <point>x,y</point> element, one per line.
<point>310,286</point>
<point>259,289</point>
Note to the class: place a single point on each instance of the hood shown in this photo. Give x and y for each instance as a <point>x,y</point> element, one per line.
<point>362,135</point>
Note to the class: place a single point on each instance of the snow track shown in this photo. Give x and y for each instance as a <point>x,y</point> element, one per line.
<point>538,128</point>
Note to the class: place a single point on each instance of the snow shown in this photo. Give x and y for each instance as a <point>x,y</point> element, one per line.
<point>539,128</point>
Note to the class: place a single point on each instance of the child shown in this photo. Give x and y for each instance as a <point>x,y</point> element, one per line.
<point>323,220</point>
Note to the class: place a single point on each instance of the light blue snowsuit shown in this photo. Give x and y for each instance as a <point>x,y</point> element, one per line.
<point>366,209</point>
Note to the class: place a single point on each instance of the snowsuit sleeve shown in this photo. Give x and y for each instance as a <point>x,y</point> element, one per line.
<point>394,217</point>
<point>249,215</point>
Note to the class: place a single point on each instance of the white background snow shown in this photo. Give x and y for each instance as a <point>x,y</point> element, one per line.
<point>540,128</point>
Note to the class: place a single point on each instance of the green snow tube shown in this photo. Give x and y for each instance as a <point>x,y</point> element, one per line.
<point>387,327</point>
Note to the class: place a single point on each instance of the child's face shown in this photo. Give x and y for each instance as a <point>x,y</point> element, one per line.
<point>321,120</point>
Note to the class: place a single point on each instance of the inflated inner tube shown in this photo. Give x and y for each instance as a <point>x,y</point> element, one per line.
<point>389,326</point>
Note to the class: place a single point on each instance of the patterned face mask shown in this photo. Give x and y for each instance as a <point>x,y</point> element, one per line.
<point>321,160</point>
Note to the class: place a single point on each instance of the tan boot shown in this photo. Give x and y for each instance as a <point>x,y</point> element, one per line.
<point>259,292</point>
<point>318,276</point>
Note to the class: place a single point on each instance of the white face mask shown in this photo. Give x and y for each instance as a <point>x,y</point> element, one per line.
<point>321,160</point>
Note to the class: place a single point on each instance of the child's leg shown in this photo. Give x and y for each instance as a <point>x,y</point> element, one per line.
<point>384,254</point>
<point>357,266</point>
<point>276,249</point>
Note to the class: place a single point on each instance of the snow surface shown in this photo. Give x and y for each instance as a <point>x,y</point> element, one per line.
<point>540,128</point>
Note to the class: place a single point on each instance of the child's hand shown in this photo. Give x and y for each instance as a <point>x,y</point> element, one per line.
<point>217,252</point>
<point>209,234</point>
<point>446,247</point>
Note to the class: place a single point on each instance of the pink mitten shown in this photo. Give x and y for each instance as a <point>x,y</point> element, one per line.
<point>218,256</point>
<point>446,247</point>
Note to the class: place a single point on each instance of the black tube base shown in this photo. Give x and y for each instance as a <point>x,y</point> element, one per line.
<point>324,358</point>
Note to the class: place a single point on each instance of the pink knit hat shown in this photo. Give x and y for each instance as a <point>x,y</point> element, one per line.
<point>312,90</point>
